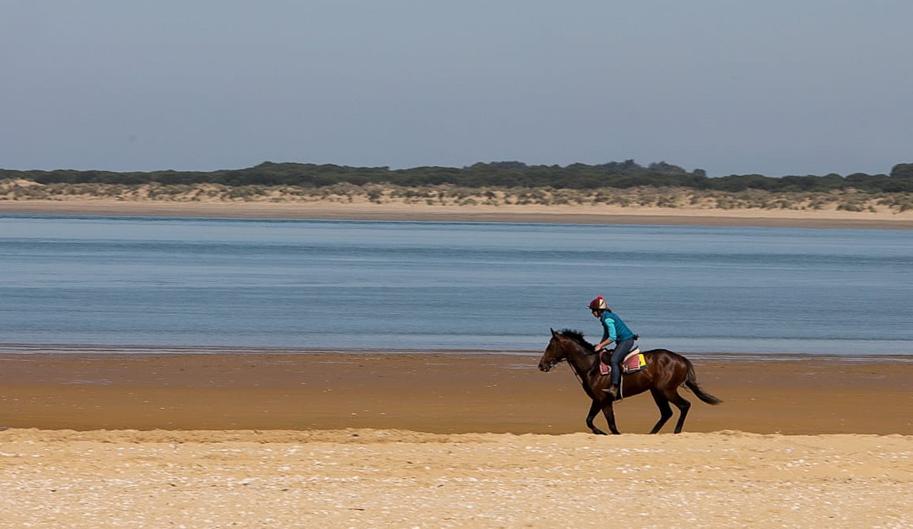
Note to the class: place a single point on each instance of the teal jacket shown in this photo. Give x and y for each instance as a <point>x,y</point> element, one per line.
<point>614,328</point>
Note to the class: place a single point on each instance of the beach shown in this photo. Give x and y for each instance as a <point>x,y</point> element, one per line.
<point>432,392</point>
<point>395,478</point>
<point>342,439</point>
<point>398,211</point>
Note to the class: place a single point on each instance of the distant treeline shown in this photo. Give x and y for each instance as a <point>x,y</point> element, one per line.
<point>625,174</point>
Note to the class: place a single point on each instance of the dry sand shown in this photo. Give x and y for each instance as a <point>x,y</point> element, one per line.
<point>391,478</point>
<point>365,210</point>
<point>260,440</point>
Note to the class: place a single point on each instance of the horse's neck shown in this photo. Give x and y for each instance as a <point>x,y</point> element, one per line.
<point>581,362</point>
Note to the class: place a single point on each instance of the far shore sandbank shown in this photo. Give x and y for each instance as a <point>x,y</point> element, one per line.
<point>364,210</point>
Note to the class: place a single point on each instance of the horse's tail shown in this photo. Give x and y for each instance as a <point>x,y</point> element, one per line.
<point>691,382</point>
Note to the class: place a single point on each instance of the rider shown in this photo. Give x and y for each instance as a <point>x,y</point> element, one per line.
<point>613,330</point>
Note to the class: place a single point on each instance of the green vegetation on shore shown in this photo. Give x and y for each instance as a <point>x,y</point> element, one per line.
<point>450,195</point>
<point>617,175</point>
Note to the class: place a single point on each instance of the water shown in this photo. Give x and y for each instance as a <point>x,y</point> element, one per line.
<point>401,286</point>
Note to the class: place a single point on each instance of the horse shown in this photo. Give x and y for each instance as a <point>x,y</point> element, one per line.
<point>664,373</point>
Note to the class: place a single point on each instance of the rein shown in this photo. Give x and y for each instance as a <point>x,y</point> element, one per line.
<point>576,374</point>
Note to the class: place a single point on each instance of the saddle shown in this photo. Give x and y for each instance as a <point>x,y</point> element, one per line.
<point>632,363</point>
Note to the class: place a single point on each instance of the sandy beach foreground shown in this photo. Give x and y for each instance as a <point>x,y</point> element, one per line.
<point>395,478</point>
<point>334,440</point>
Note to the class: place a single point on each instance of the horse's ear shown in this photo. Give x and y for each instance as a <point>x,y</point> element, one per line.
<point>553,331</point>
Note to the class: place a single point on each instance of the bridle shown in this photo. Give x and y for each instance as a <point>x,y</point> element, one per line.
<point>571,367</point>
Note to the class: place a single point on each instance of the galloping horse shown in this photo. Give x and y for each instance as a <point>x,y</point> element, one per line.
<point>664,373</point>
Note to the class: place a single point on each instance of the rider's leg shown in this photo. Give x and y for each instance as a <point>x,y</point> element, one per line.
<point>621,349</point>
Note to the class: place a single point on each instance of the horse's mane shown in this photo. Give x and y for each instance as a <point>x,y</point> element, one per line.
<point>577,336</point>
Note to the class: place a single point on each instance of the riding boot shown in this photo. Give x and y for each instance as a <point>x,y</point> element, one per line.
<point>613,392</point>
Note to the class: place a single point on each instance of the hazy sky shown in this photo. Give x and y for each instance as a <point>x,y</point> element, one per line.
<point>774,86</point>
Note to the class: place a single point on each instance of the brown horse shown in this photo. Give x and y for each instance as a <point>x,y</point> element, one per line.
<point>664,373</point>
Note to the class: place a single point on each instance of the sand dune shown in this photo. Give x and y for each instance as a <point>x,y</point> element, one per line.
<point>562,214</point>
<point>395,478</point>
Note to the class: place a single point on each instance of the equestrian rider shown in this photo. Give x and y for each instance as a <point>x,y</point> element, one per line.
<point>613,330</point>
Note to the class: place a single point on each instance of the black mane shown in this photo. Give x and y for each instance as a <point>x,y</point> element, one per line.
<point>577,336</point>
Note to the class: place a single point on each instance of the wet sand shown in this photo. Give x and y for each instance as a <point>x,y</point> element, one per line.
<point>341,440</point>
<point>432,392</point>
<point>364,210</point>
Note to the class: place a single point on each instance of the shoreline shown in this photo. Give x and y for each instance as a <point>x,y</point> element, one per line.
<point>432,392</point>
<point>338,440</point>
<point>130,351</point>
<point>366,211</point>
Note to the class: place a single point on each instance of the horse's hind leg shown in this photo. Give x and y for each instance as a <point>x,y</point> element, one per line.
<point>682,405</point>
<point>665,411</point>
<point>609,413</point>
<point>594,409</point>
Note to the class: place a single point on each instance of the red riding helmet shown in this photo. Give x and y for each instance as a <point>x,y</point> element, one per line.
<point>598,303</point>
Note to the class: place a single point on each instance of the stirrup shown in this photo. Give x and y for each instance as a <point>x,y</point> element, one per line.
<point>614,391</point>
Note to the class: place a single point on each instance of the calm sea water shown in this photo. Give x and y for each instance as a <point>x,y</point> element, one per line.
<point>401,286</point>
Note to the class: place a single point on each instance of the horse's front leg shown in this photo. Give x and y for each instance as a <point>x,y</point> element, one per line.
<point>609,413</point>
<point>594,409</point>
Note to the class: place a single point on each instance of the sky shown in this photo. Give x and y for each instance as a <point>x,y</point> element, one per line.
<point>730,86</point>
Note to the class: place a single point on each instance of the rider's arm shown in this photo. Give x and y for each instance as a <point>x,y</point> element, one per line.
<point>608,333</point>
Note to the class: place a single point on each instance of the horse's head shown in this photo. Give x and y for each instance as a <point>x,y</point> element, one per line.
<point>553,354</point>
